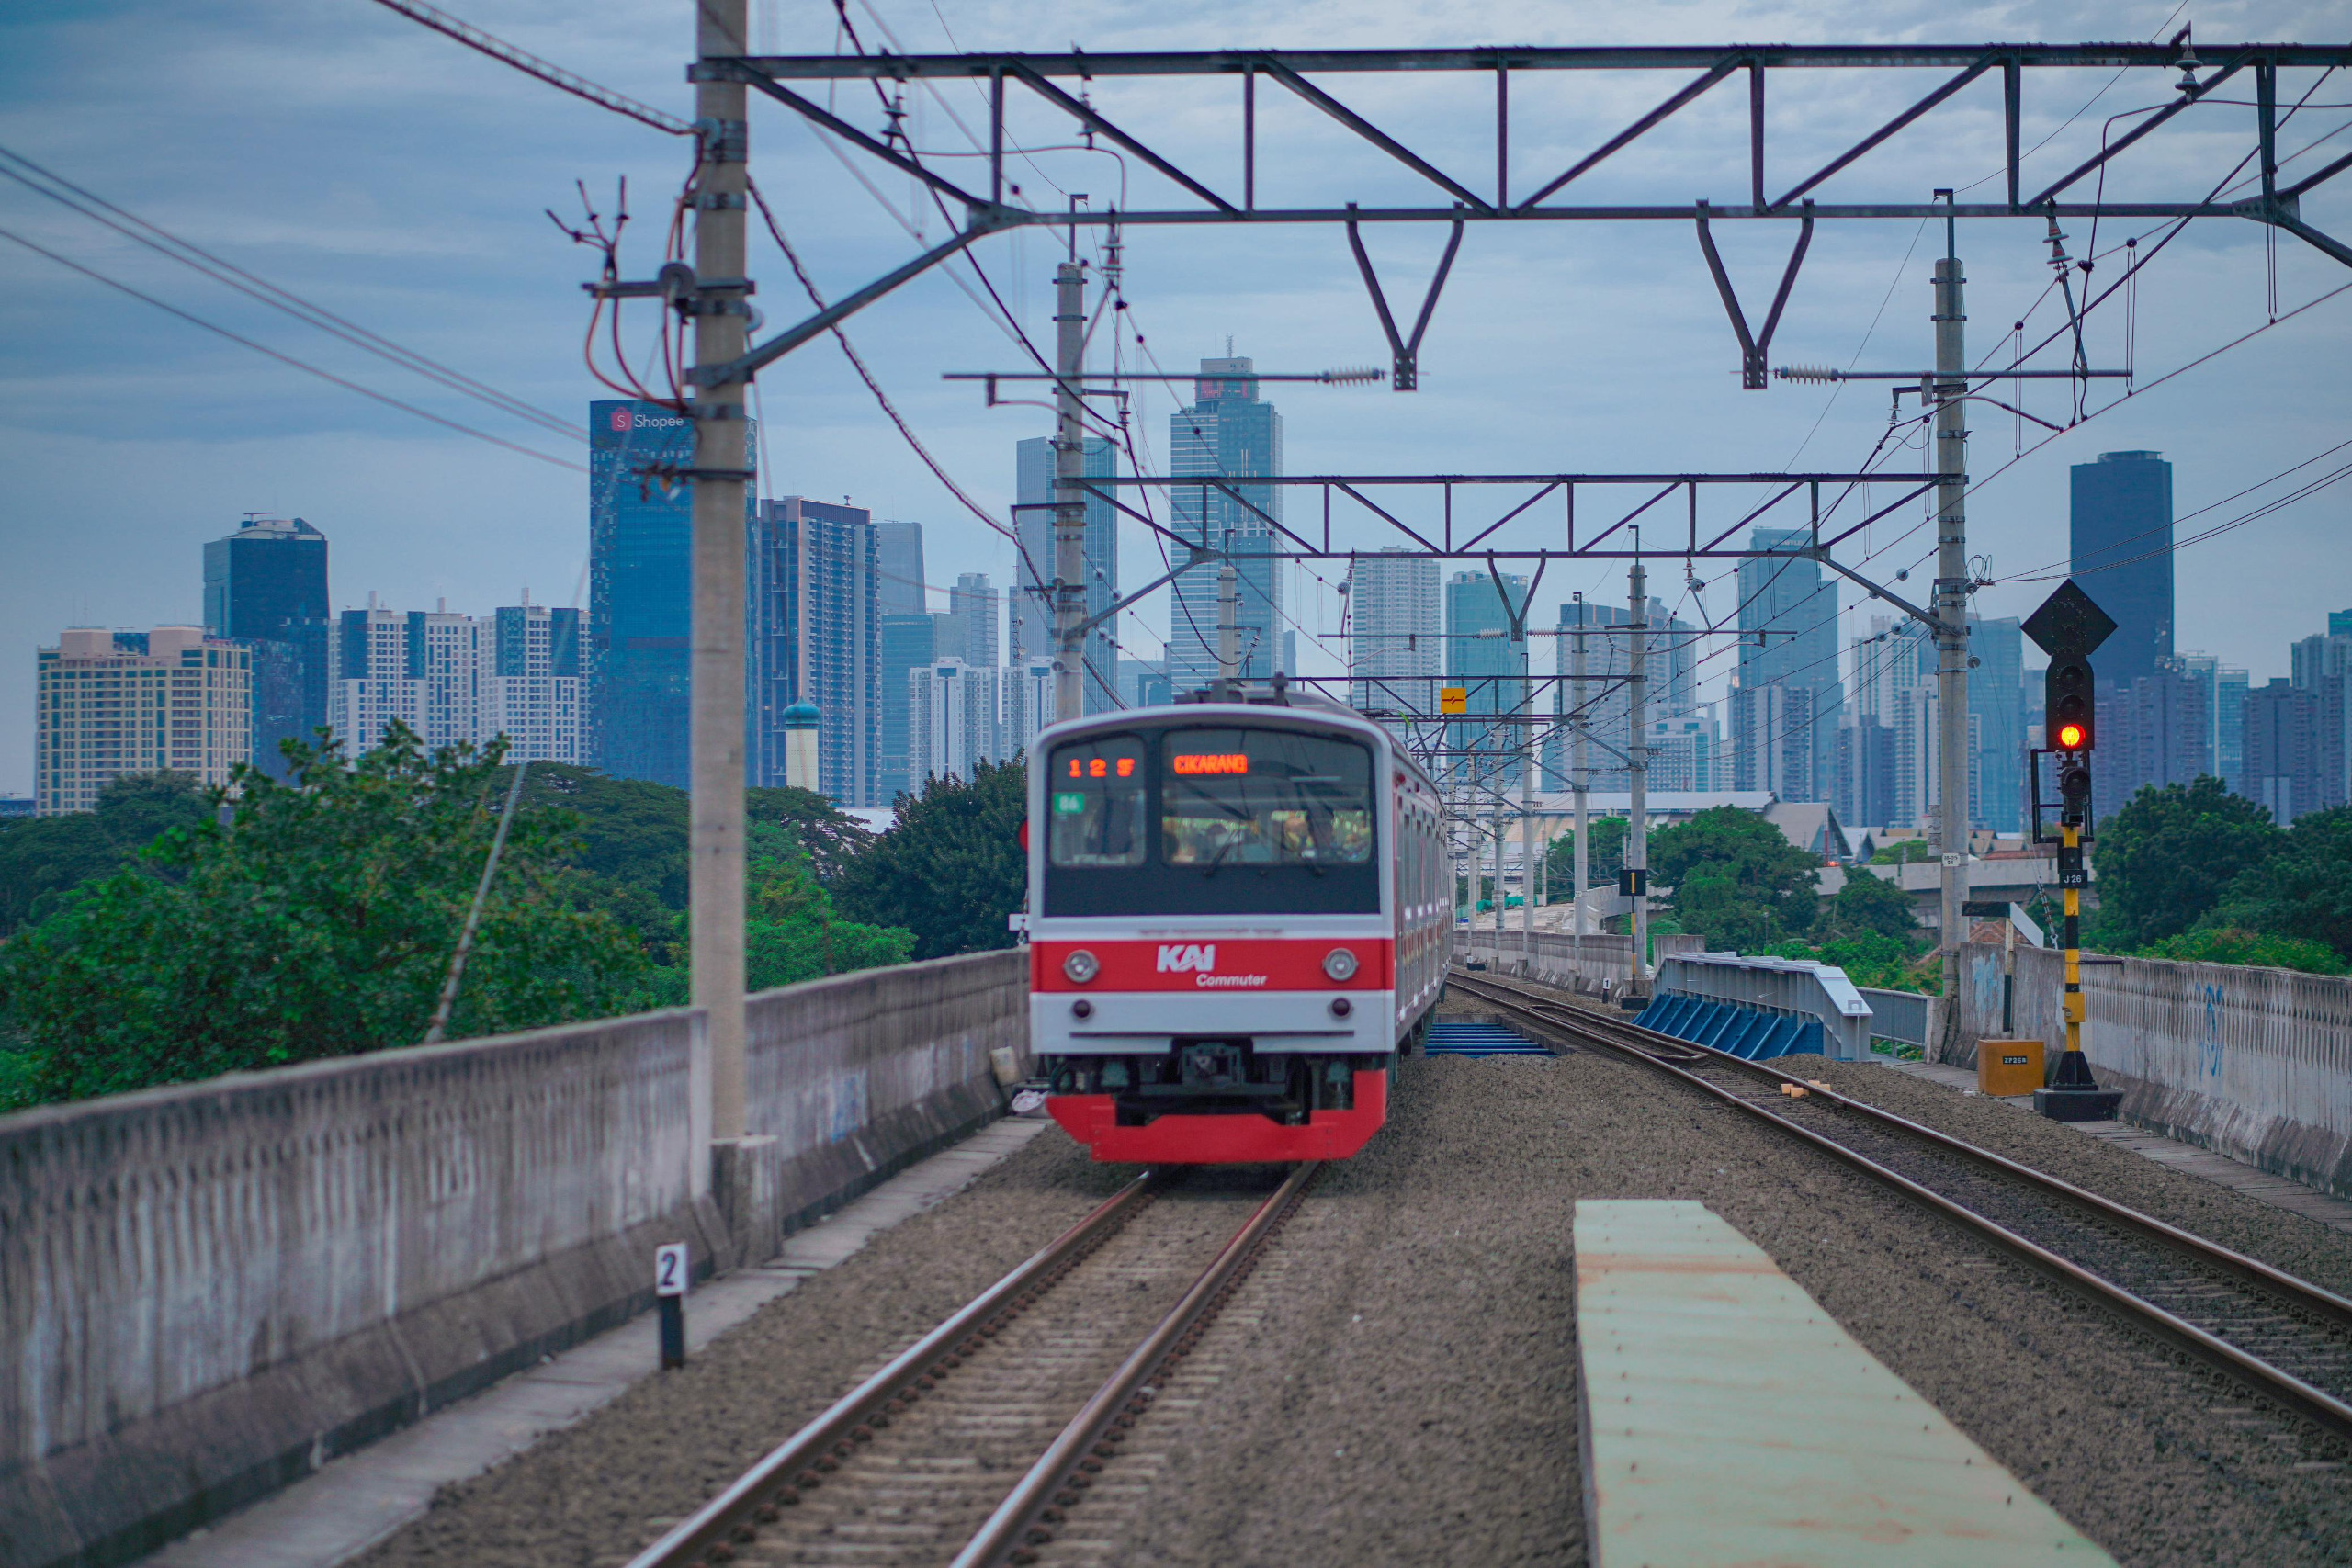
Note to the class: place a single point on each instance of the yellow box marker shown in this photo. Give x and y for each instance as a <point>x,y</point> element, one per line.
<point>1729,1421</point>
<point>2008,1066</point>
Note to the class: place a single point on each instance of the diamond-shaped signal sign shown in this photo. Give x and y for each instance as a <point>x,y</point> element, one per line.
<point>2069,625</point>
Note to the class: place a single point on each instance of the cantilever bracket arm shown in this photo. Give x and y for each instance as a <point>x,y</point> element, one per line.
<point>2281,217</point>
<point>1154,586</point>
<point>983,222</point>
<point>1753,348</point>
<point>1405,376</point>
<point>1908,608</point>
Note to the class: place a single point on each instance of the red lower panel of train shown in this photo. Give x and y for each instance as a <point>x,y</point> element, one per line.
<point>1092,1119</point>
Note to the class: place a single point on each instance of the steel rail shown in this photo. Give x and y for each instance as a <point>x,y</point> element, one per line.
<point>1014,1527</point>
<point>2322,1409</point>
<point>824,1438</point>
<point>2320,1303</point>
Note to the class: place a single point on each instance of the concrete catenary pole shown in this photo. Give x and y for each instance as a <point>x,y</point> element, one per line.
<point>1526,801</point>
<point>721,461</point>
<point>1228,619</point>
<point>1069,501</point>
<point>1581,779</point>
<point>1950,605</point>
<point>1637,770</point>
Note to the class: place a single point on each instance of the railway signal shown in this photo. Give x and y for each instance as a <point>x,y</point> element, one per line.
<point>2068,627</point>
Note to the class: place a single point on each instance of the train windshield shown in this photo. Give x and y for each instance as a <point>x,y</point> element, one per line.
<point>1094,803</point>
<point>1211,820</point>
<point>1251,798</point>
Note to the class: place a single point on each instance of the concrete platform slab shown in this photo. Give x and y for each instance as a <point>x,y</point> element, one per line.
<point>358,1500</point>
<point>1730,1421</point>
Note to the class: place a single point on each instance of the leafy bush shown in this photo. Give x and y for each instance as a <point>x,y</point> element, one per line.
<point>317,921</point>
<point>2228,945</point>
<point>1868,905</point>
<point>2163,860</point>
<point>1736,879</point>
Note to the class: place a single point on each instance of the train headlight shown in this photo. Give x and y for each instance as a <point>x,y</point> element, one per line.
<point>1339,963</point>
<point>1081,965</point>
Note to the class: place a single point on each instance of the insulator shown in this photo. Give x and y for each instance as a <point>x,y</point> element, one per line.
<point>1808,373</point>
<point>1353,375</point>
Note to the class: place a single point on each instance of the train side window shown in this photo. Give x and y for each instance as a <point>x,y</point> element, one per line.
<point>1094,802</point>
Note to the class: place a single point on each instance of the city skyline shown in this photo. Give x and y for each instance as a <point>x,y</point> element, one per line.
<point>421,513</point>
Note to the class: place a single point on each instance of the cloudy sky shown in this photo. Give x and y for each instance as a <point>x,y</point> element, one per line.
<point>340,151</point>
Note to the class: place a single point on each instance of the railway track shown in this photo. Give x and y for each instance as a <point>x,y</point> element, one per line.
<point>971,1447</point>
<point>2285,1337</point>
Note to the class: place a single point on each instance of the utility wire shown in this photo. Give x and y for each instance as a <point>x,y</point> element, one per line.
<point>302,366</point>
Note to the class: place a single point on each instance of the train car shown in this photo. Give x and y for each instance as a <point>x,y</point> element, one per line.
<point>1240,915</point>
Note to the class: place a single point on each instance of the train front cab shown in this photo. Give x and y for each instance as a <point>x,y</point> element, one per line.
<point>1214,955</point>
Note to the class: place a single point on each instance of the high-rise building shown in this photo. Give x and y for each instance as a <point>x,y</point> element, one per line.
<point>955,710</point>
<point>909,642</point>
<point>1772,740</point>
<point>1032,606</point>
<point>2282,758</point>
<point>2323,664</point>
<point>526,658</point>
<point>2230,685</point>
<point>1397,621</point>
<point>640,590</point>
<point>1686,753</point>
<point>815,636</point>
<point>1670,672</point>
<point>1483,657</point>
<point>1788,635</point>
<point>2155,732</point>
<point>266,586</point>
<point>973,604</point>
<point>376,682</point>
<point>109,704</point>
<point>2121,550</point>
<point>898,549</point>
<point>1996,704</point>
<point>1226,432</point>
<point>1029,704</point>
<point>1863,788</point>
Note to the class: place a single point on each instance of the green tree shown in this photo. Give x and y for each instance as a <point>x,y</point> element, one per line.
<point>43,857</point>
<point>1903,852</point>
<point>317,921</point>
<point>2163,860</point>
<point>1604,857</point>
<point>951,868</point>
<point>1867,905</point>
<point>1737,881</point>
<point>2304,893</point>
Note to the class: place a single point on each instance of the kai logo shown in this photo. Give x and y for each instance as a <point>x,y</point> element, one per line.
<point>1175,958</point>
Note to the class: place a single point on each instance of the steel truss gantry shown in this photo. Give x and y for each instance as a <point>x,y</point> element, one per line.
<point>1694,72</point>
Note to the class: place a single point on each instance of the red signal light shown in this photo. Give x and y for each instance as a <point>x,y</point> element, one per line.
<point>2070,736</point>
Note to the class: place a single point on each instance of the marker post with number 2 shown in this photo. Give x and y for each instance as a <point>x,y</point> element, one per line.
<point>670,1293</point>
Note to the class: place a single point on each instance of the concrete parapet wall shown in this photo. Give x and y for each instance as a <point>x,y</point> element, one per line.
<point>2254,1063</point>
<point>207,1290</point>
<point>1600,960</point>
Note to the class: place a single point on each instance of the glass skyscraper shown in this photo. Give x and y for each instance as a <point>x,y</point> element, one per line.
<point>1788,635</point>
<point>1493,668</point>
<point>266,586</point>
<point>2122,550</point>
<point>1033,610</point>
<point>1997,702</point>
<point>640,590</point>
<point>816,610</point>
<point>1228,432</point>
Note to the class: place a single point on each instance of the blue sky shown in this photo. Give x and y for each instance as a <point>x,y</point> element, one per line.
<point>345,153</point>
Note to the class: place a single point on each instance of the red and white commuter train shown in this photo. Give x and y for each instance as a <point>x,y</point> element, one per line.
<point>1240,915</point>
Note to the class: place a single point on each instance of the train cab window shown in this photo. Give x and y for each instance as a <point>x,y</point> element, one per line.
<point>1094,803</point>
<point>1253,797</point>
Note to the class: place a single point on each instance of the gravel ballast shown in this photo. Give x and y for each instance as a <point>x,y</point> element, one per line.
<point>1398,1381</point>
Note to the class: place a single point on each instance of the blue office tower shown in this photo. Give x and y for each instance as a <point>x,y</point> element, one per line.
<point>2122,553</point>
<point>266,586</point>
<point>1997,706</point>
<point>640,590</point>
<point>1033,610</point>
<point>815,602</point>
<point>1227,433</point>
<point>1788,637</point>
<point>1482,656</point>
